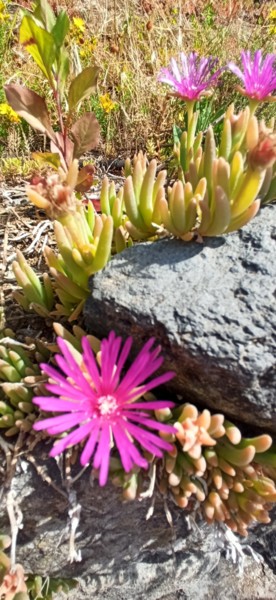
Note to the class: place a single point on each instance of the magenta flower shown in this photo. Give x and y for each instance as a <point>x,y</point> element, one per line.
<point>101,403</point>
<point>258,76</point>
<point>194,76</point>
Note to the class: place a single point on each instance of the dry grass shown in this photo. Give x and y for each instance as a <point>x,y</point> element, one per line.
<point>133,39</point>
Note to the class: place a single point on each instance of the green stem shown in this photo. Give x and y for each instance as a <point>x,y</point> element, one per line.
<point>190,132</point>
<point>253,105</point>
<point>190,111</point>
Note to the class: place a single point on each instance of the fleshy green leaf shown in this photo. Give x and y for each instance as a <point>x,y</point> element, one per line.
<point>31,107</point>
<point>39,43</point>
<point>82,86</point>
<point>85,133</point>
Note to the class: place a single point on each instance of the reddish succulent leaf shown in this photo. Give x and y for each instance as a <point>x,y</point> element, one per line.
<point>85,178</point>
<point>85,133</point>
<point>31,107</point>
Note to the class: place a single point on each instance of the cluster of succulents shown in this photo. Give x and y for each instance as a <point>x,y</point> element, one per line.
<point>84,244</point>
<point>20,380</point>
<point>36,294</point>
<point>214,470</point>
<point>219,188</point>
<point>211,471</point>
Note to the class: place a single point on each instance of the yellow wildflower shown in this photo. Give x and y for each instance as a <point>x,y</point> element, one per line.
<point>7,112</point>
<point>106,103</point>
<point>4,16</point>
<point>272,19</point>
<point>78,24</point>
<point>88,48</point>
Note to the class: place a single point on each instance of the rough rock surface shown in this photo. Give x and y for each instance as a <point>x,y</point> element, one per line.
<point>125,557</point>
<point>212,308</point>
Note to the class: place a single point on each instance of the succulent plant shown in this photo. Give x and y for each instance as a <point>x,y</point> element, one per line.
<point>179,215</point>
<point>219,189</point>
<point>143,192</point>
<point>112,205</point>
<point>84,243</point>
<point>35,294</point>
<point>236,176</point>
<point>212,468</point>
<point>55,193</point>
<point>20,379</point>
<point>75,339</point>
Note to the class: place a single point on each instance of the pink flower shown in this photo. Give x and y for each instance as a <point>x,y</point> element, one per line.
<point>101,404</point>
<point>258,75</point>
<point>194,76</point>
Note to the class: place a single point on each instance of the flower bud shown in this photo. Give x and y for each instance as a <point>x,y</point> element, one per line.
<point>263,155</point>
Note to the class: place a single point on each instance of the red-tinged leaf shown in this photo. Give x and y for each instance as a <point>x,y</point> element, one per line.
<point>31,107</point>
<point>85,133</point>
<point>82,86</point>
<point>85,178</point>
<point>49,158</point>
<point>66,154</point>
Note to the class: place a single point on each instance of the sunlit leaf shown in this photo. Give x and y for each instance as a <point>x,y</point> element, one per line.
<point>31,107</point>
<point>82,86</point>
<point>44,13</point>
<point>85,133</point>
<point>60,28</point>
<point>63,70</point>
<point>49,158</point>
<point>85,178</point>
<point>39,43</point>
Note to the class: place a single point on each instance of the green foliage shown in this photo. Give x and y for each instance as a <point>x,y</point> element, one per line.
<point>20,379</point>
<point>46,588</point>
<point>82,86</point>
<point>43,36</point>
<point>213,465</point>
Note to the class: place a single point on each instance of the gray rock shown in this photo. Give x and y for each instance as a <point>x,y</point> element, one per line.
<point>125,557</point>
<point>212,308</point>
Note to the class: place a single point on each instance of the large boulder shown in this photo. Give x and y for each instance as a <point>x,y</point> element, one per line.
<point>125,557</point>
<point>211,305</point>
